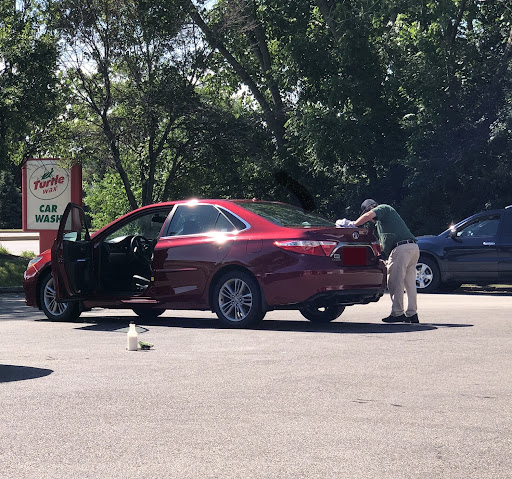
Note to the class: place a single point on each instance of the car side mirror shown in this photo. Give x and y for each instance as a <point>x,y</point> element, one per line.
<point>453,234</point>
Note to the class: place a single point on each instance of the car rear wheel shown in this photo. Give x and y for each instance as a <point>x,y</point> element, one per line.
<point>53,310</point>
<point>148,313</point>
<point>321,314</point>
<point>237,300</point>
<point>428,278</point>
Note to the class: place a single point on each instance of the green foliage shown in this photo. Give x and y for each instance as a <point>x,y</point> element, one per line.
<point>11,269</point>
<point>455,96</point>
<point>10,197</point>
<point>28,93</point>
<point>138,122</point>
<point>405,102</point>
<point>318,102</point>
<point>341,132</point>
<point>105,199</point>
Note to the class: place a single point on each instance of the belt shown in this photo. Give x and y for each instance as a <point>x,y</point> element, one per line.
<point>398,243</point>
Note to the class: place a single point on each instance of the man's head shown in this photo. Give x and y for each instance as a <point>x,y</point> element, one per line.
<point>367,205</point>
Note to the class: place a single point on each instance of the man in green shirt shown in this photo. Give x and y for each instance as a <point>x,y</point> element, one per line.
<point>402,253</point>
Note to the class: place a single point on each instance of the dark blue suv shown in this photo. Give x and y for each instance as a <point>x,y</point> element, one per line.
<point>478,250</point>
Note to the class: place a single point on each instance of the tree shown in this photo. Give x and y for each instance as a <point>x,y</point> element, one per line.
<point>28,56</point>
<point>127,83</point>
<point>405,101</point>
<point>10,197</point>
<point>139,104</point>
<point>345,126</point>
<point>238,32</point>
<point>28,95</point>
<point>451,65</point>
<point>319,102</point>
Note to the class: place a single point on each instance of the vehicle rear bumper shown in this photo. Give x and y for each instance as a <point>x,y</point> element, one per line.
<point>338,298</point>
<point>345,286</point>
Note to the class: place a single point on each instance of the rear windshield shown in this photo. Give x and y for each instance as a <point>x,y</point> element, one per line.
<point>286,215</point>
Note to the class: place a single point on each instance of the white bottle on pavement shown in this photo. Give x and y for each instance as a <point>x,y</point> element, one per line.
<point>131,338</point>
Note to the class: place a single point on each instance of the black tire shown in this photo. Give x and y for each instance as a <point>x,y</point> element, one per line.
<point>237,300</point>
<point>56,311</point>
<point>321,314</point>
<point>428,277</point>
<point>148,313</point>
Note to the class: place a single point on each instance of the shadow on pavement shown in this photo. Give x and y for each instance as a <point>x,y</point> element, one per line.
<point>10,373</point>
<point>119,325</point>
<point>473,290</point>
<point>351,328</point>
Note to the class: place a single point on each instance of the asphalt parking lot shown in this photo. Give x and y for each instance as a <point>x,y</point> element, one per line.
<point>356,398</point>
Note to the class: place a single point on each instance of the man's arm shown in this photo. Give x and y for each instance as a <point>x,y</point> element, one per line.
<point>369,216</point>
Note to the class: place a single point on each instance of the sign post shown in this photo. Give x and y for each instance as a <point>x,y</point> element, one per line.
<point>48,186</point>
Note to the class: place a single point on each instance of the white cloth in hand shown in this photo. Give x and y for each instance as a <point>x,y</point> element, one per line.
<point>344,223</point>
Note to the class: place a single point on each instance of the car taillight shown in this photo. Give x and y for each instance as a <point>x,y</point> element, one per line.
<point>376,248</point>
<point>315,248</point>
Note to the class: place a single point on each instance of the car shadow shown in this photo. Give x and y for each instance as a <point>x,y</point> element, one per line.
<point>479,291</point>
<point>120,325</point>
<point>9,373</point>
<point>352,328</point>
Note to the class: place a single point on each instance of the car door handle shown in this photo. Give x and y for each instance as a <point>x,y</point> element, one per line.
<point>489,243</point>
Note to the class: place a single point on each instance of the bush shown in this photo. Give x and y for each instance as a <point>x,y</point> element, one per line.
<point>10,198</point>
<point>12,269</point>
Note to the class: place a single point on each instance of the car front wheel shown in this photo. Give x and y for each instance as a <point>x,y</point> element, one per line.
<point>53,310</point>
<point>428,278</point>
<point>321,314</point>
<point>237,300</point>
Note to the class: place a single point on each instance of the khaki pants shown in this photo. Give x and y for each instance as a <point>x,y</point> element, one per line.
<point>402,275</point>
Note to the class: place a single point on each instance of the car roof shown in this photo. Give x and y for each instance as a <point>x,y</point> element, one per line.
<point>487,212</point>
<point>218,201</point>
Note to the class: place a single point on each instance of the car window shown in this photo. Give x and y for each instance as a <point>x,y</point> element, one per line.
<point>485,226</point>
<point>286,215</point>
<point>198,219</point>
<point>75,228</point>
<point>223,224</point>
<point>237,222</point>
<point>147,225</point>
<point>507,223</point>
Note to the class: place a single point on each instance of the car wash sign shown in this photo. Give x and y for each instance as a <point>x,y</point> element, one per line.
<point>49,185</point>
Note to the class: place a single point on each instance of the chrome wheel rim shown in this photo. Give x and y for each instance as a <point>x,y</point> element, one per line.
<point>235,299</point>
<point>50,300</point>
<point>424,275</point>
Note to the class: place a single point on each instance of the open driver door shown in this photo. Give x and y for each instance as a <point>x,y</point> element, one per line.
<point>72,265</point>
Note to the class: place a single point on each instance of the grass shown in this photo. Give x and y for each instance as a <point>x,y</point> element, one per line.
<point>12,267</point>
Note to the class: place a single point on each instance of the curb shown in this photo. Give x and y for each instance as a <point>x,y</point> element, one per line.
<point>18,236</point>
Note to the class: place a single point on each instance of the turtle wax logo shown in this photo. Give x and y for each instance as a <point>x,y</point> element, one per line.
<point>49,182</point>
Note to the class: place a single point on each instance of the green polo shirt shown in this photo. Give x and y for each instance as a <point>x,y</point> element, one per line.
<point>391,228</point>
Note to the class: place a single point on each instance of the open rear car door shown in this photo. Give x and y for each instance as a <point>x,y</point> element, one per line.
<point>72,265</point>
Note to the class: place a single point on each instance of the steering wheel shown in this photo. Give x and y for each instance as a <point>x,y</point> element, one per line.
<point>140,248</point>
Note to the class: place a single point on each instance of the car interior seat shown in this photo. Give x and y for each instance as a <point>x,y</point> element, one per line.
<point>190,227</point>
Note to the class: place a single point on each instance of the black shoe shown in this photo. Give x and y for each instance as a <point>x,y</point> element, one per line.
<point>412,319</point>
<point>395,319</point>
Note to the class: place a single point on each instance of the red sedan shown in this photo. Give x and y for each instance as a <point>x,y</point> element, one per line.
<point>238,258</point>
